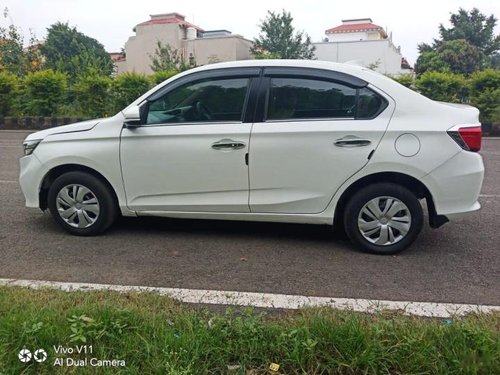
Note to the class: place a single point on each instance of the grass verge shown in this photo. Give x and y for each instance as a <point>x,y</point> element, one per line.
<point>156,335</point>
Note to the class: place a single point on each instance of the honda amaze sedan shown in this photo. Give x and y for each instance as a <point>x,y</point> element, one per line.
<point>286,141</point>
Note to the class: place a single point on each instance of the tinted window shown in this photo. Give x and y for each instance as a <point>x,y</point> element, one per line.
<point>202,101</point>
<point>369,104</point>
<point>297,98</point>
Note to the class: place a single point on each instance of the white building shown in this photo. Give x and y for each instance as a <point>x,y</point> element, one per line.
<point>191,41</point>
<point>362,41</point>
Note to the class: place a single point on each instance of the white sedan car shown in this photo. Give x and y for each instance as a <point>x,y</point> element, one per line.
<point>266,140</point>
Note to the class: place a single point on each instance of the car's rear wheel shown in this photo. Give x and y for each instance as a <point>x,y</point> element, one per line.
<point>383,218</point>
<point>81,203</point>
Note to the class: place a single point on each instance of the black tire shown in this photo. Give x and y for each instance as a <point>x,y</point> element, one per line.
<point>107,206</point>
<point>385,192</point>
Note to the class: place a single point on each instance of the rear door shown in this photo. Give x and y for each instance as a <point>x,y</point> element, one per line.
<point>317,128</point>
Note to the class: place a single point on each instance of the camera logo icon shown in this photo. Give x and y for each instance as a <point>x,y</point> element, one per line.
<point>39,355</point>
<point>24,355</point>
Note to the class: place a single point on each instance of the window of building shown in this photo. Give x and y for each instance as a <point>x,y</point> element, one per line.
<point>211,100</point>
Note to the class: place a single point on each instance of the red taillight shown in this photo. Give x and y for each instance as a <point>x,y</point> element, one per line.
<point>469,138</point>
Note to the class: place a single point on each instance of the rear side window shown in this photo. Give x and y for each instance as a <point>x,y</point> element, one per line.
<point>296,98</point>
<point>370,104</point>
<point>303,98</point>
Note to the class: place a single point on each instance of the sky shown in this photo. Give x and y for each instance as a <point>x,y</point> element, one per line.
<point>111,21</point>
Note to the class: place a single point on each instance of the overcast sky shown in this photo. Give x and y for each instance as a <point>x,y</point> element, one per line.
<point>111,21</point>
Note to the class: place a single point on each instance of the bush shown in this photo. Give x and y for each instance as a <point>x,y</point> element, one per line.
<point>127,87</point>
<point>92,95</point>
<point>9,85</point>
<point>44,92</point>
<point>483,80</point>
<point>158,77</point>
<point>484,88</point>
<point>407,80</point>
<point>442,86</point>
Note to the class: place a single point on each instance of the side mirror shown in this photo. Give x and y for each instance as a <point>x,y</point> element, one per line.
<point>132,117</point>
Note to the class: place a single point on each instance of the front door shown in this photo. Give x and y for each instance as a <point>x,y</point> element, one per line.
<point>189,155</point>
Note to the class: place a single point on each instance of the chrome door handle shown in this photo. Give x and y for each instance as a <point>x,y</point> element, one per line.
<point>228,144</point>
<point>352,142</point>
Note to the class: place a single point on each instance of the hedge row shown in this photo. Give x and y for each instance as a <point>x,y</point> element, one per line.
<point>50,93</point>
<point>481,89</point>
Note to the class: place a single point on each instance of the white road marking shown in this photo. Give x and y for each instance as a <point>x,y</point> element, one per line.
<point>8,182</point>
<point>269,300</point>
<point>489,195</point>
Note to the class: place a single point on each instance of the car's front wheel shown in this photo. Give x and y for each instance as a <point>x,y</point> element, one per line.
<point>81,204</point>
<point>383,218</point>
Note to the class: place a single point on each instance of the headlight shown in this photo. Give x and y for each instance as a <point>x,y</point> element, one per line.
<point>29,146</point>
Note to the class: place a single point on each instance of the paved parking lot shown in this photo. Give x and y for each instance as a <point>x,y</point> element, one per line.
<point>457,263</point>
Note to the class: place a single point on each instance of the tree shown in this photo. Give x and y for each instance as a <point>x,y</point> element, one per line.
<point>278,39</point>
<point>457,56</point>
<point>74,53</point>
<point>475,28</point>
<point>467,46</point>
<point>167,58</point>
<point>14,58</point>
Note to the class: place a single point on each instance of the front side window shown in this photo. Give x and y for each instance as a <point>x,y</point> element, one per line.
<point>210,100</point>
<point>303,98</point>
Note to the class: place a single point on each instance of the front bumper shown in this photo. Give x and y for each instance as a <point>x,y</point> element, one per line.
<point>30,179</point>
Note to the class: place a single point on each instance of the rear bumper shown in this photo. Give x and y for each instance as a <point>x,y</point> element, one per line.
<point>456,184</point>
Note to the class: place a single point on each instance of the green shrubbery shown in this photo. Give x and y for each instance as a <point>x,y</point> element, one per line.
<point>446,87</point>
<point>480,89</point>
<point>91,95</point>
<point>44,92</point>
<point>127,87</point>
<point>52,93</point>
<point>9,85</point>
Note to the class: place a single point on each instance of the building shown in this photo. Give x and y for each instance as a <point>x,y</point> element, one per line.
<point>192,42</point>
<point>362,41</point>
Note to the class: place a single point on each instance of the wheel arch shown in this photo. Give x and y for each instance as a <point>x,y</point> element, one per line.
<point>59,170</point>
<point>411,183</point>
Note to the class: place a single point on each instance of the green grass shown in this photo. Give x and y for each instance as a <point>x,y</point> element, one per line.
<point>156,335</point>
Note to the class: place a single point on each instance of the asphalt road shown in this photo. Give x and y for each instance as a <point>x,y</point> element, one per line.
<point>457,263</point>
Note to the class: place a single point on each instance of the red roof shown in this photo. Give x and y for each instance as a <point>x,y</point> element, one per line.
<point>117,56</point>
<point>351,28</point>
<point>177,20</point>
